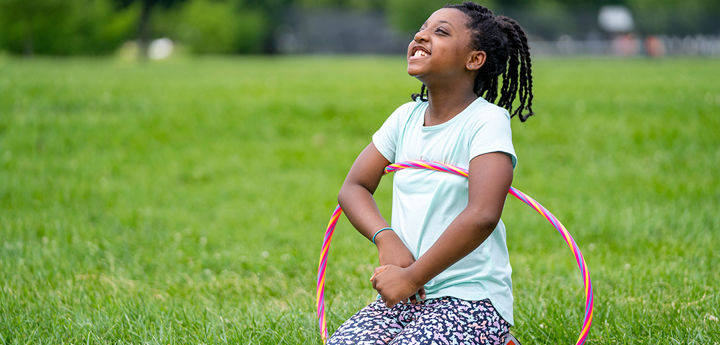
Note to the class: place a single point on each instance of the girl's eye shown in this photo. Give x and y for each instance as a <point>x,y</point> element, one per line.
<point>441,31</point>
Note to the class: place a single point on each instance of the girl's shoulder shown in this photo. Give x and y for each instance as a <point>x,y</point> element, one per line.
<point>484,110</point>
<point>483,114</point>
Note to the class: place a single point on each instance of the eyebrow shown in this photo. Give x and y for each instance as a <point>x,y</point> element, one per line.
<point>440,21</point>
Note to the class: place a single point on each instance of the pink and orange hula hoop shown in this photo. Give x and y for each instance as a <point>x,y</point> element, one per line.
<point>461,172</point>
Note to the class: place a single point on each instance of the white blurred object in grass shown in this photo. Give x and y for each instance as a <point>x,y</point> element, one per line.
<point>160,48</point>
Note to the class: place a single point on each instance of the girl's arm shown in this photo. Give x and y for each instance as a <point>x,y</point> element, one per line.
<point>490,177</point>
<point>356,200</point>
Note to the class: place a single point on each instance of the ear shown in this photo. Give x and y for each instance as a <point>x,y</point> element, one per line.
<point>476,60</point>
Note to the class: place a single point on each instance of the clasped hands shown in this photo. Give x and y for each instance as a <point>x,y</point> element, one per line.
<point>394,279</point>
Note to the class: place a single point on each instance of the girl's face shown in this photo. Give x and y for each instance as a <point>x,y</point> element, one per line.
<point>441,48</point>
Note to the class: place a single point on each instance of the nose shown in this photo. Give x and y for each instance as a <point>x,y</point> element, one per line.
<point>421,36</point>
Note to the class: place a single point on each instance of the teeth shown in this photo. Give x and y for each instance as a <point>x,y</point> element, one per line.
<point>420,53</point>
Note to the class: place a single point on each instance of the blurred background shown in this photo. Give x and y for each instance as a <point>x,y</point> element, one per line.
<point>160,28</point>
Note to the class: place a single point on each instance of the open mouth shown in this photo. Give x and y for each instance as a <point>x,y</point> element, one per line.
<point>420,52</point>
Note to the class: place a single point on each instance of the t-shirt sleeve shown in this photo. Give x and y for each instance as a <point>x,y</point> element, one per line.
<point>386,138</point>
<point>492,133</point>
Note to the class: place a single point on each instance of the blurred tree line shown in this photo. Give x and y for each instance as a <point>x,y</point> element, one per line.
<point>68,27</point>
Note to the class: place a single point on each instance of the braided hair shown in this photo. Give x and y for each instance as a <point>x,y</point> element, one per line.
<point>507,53</point>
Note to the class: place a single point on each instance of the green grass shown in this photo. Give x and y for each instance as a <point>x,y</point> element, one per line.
<point>185,201</point>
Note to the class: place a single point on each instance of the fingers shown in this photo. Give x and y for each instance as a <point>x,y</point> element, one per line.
<point>390,288</point>
<point>418,296</point>
<point>391,304</point>
<point>378,270</point>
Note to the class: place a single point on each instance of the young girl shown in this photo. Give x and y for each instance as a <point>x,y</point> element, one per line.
<point>445,274</point>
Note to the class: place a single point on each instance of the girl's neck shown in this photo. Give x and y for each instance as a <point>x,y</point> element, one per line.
<point>444,103</point>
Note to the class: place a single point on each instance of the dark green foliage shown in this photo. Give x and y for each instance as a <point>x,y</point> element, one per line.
<point>64,27</point>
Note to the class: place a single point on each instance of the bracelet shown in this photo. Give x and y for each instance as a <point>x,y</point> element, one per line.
<point>379,231</point>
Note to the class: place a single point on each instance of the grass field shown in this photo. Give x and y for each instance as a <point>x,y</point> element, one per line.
<point>185,201</point>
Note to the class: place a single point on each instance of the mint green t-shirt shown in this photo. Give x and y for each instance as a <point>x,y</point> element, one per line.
<point>426,202</point>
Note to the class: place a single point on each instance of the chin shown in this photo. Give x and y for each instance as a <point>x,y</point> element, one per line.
<point>413,71</point>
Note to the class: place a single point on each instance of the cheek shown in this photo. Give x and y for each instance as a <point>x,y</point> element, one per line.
<point>463,56</point>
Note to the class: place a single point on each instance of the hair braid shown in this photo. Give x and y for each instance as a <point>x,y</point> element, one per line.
<point>423,94</point>
<point>525,65</point>
<point>511,84</point>
<point>507,55</point>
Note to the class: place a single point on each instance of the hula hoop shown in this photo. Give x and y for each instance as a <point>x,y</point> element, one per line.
<point>579,259</point>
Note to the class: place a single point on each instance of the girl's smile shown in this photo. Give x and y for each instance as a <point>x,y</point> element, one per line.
<point>419,52</point>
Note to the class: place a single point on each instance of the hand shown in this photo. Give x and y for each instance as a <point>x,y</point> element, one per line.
<point>395,284</point>
<point>392,252</point>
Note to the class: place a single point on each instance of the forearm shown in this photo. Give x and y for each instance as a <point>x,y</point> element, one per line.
<point>363,213</point>
<point>356,199</point>
<point>465,234</point>
<point>360,208</point>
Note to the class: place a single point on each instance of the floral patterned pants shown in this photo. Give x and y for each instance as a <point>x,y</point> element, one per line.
<point>442,321</point>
